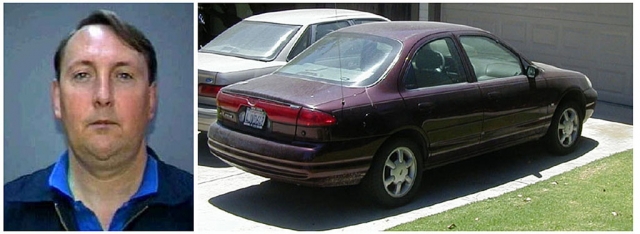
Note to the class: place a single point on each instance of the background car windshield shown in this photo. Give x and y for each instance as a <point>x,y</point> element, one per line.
<point>343,58</point>
<point>252,40</point>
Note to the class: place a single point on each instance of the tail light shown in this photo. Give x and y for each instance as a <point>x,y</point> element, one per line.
<point>230,102</point>
<point>209,90</point>
<point>314,118</point>
<point>296,116</point>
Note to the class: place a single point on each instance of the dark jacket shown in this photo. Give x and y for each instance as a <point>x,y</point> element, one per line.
<point>30,204</point>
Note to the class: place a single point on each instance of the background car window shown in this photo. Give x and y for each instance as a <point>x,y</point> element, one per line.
<point>436,63</point>
<point>303,42</point>
<point>324,29</point>
<point>362,21</point>
<point>490,59</point>
<point>321,30</point>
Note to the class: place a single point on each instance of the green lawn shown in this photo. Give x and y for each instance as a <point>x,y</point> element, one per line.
<point>594,197</point>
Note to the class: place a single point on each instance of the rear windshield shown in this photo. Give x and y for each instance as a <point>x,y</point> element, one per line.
<point>348,59</point>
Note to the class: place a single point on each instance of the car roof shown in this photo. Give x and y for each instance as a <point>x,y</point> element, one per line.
<point>403,30</point>
<point>311,16</point>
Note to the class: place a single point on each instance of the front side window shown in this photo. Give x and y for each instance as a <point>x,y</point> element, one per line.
<point>434,64</point>
<point>344,58</point>
<point>252,40</point>
<point>490,60</point>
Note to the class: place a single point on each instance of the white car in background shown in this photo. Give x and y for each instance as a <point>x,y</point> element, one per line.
<point>260,44</point>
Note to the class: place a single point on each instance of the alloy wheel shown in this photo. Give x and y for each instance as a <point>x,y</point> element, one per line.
<point>400,171</point>
<point>568,126</point>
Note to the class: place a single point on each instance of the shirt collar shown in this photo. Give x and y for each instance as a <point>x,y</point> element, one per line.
<point>149,183</point>
<point>59,177</point>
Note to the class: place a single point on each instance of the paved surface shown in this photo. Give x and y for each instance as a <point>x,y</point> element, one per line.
<point>231,200</point>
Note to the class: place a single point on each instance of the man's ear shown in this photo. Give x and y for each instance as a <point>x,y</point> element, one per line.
<point>55,98</point>
<point>153,99</point>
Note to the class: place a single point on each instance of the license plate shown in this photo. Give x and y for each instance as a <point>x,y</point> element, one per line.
<point>254,117</point>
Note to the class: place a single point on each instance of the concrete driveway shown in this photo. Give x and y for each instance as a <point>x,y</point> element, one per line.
<point>229,199</point>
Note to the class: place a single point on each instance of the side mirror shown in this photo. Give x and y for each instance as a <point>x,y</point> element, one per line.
<point>532,72</point>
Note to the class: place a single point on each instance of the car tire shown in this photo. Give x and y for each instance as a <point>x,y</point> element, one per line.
<point>565,129</point>
<point>395,174</point>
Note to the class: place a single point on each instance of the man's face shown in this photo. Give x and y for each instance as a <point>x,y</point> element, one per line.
<point>103,96</point>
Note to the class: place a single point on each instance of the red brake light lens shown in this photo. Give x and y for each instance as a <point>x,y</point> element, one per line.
<point>230,102</point>
<point>209,90</point>
<point>314,118</point>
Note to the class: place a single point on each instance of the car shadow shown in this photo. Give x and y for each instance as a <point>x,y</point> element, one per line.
<point>317,209</point>
<point>205,158</point>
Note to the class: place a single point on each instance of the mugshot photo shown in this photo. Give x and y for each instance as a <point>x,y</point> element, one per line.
<point>98,116</point>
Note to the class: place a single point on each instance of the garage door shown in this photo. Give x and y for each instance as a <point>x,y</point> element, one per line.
<point>595,39</point>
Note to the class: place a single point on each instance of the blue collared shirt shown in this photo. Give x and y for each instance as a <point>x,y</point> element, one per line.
<point>85,218</point>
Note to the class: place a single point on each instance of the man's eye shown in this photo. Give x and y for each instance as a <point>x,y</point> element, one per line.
<point>125,76</point>
<point>81,76</point>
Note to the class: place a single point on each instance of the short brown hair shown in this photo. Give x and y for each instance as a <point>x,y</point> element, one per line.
<point>126,32</point>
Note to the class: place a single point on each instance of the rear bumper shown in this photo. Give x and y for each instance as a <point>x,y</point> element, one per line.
<point>311,164</point>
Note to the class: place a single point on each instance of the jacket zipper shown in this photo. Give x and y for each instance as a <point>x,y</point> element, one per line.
<point>134,217</point>
<point>64,225</point>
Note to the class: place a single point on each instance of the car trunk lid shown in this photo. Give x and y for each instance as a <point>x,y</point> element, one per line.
<point>293,90</point>
<point>282,107</point>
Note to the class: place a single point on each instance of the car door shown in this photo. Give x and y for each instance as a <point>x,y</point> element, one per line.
<point>514,105</point>
<point>441,100</point>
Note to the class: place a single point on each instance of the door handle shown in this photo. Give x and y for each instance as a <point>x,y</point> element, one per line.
<point>425,106</point>
<point>493,95</point>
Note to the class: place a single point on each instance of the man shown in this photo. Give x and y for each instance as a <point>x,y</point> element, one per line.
<point>108,179</point>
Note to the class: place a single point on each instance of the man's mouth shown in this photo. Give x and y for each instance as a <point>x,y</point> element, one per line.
<point>103,123</point>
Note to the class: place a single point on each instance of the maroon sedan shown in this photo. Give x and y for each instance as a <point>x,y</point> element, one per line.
<point>376,104</point>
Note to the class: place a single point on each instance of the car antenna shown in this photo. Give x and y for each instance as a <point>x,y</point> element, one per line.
<point>335,7</point>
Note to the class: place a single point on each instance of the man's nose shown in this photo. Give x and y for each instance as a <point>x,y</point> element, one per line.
<point>103,95</point>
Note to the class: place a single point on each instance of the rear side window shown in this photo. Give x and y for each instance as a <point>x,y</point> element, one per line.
<point>435,63</point>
